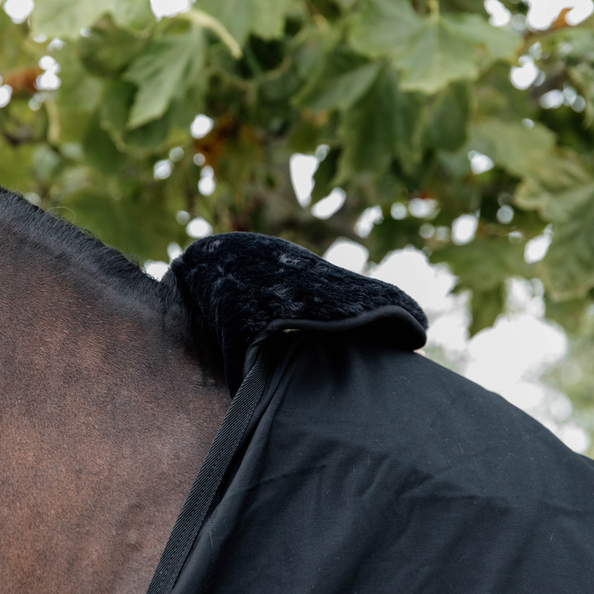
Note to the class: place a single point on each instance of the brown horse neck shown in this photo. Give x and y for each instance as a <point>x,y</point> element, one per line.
<point>107,410</point>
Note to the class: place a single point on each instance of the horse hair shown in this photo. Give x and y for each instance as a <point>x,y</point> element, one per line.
<point>110,397</point>
<point>60,238</point>
<point>80,250</point>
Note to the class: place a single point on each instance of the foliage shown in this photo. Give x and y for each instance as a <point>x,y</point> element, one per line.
<point>399,91</point>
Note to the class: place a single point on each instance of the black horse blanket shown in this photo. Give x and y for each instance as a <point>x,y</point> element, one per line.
<point>364,467</point>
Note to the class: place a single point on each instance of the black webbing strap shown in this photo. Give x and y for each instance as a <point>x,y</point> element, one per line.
<point>209,477</point>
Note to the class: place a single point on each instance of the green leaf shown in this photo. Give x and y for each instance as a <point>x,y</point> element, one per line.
<point>207,21</point>
<point>438,54</point>
<point>114,113</point>
<point>384,27</point>
<point>16,51</point>
<point>582,76</point>
<point>464,6</point>
<point>485,307</point>
<point>449,118</point>
<point>430,51</point>
<point>65,18</point>
<point>335,89</point>
<point>574,375</point>
<point>568,314</point>
<point>483,266</point>
<point>183,109</point>
<point>456,164</point>
<point>79,91</point>
<point>389,85</point>
<point>324,175</point>
<point>346,5</point>
<point>557,187</point>
<point>409,128</point>
<point>75,100</point>
<point>513,146</point>
<point>100,150</point>
<point>162,71</point>
<point>20,124</point>
<point>240,155</point>
<point>15,164</point>
<point>368,129</point>
<point>304,136</point>
<point>491,43</point>
<point>387,122</point>
<point>139,224</point>
<point>45,164</point>
<point>568,267</point>
<point>391,234</point>
<point>389,189</point>
<point>116,105</point>
<point>275,90</point>
<point>108,48</point>
<point>485,263</point>
<point>241,17</point>
<point>312,49</point>
<point>497,98</point>
<point>149,137</point>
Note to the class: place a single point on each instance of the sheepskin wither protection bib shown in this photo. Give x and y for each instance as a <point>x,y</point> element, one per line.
<point>241,282</point>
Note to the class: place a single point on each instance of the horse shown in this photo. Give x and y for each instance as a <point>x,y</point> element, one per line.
<point>110,396</point>
<point>344,461</point>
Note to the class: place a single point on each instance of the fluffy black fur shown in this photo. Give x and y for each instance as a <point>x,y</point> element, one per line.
<point>240,282</point>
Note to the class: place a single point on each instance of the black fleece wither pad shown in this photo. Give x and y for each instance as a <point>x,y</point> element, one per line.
<point>240,282</point>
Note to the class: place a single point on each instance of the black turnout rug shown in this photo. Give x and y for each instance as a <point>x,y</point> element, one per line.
<point>349,463</point>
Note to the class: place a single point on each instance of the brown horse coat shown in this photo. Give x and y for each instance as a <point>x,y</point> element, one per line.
<point>109,400</point>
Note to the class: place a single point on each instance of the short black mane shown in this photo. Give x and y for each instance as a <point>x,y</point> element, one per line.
<point>82,251</point>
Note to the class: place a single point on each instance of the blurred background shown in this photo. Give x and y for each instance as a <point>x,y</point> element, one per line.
<point>445,146</point>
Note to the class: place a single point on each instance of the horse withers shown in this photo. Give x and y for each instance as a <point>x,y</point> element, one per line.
<point>110,396</point>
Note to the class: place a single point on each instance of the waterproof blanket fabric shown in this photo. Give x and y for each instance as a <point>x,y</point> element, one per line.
<point>367,468</point>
